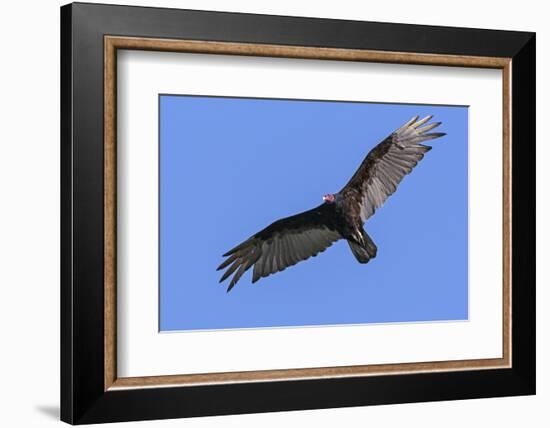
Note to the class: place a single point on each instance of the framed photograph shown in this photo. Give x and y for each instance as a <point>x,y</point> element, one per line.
<point>265,213</point>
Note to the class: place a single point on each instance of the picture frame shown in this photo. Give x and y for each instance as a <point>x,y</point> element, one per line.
<point>91,36</point>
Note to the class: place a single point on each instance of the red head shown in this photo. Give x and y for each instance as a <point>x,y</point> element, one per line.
<point>329,198</point>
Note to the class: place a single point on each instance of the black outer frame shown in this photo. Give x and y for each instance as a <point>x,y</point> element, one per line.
<point>83,399</point>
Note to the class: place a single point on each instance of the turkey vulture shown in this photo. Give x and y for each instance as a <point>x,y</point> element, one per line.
<point>341,215</point>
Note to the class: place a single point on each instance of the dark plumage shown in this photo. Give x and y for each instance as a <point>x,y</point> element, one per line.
<point>299,237</point>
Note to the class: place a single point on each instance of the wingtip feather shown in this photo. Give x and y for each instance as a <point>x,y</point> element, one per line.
<point>428,127</point>
<point>422,121</point>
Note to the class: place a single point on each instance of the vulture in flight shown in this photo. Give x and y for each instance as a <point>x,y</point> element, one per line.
<point>341,215</point>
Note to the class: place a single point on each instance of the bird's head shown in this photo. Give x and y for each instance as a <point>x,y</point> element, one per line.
<point>329,198</point>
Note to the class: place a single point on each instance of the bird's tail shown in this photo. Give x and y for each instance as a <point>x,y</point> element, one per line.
<point>363,253</point>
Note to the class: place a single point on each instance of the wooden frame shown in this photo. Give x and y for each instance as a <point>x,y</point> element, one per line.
<point>515,62</point>
<point>112,43</point>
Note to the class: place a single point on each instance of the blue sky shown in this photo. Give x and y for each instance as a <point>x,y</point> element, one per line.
<point>231,166</point>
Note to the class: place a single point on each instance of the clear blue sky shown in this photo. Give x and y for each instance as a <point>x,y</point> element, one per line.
<point>231,166</point>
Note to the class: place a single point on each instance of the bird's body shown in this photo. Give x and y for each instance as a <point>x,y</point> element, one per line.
<point>342,215</point>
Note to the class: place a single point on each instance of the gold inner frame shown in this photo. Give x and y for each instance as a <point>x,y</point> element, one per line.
<point>112,43</point>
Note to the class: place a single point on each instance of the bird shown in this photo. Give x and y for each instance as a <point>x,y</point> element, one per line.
<point>341,215</point>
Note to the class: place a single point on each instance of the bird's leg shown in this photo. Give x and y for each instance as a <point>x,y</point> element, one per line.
<point>358,237</point>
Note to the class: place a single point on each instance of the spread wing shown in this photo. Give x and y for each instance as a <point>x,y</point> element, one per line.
<point>385,166</point>
<point>282,244</point>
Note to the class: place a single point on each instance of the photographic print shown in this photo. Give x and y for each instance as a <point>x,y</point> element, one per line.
<point>310,200</point>
<point>311,212</point>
